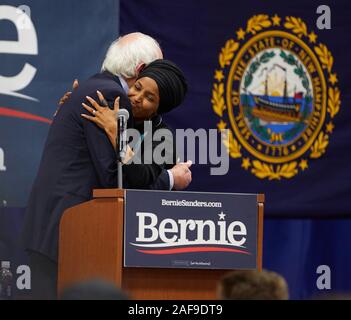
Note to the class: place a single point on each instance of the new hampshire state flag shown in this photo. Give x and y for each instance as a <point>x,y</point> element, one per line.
<point>277,76</point>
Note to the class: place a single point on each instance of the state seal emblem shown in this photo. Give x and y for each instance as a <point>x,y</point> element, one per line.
<point>276,93</point>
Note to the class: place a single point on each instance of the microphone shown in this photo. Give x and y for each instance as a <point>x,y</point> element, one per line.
<point>122,118</point>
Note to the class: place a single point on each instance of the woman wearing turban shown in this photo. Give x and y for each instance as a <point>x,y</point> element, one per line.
<point>159,88</point>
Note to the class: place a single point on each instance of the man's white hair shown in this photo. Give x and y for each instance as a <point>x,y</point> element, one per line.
<point>127,52</point>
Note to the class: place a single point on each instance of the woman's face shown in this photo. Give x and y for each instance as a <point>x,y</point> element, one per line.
<point>145,99</point>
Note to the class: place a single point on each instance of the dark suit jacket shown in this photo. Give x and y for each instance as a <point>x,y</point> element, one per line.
<point>77,158</point>
<point>169,153</point>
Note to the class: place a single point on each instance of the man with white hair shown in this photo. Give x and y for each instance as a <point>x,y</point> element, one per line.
<point>125,58</point>
<point>78,157</point>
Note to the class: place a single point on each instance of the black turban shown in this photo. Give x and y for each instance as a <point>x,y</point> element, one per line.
<point>171,83</point>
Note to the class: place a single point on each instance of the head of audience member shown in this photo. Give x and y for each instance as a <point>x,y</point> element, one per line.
<point>253,285</point>
<point>95,289</point>
<point>129,54</point>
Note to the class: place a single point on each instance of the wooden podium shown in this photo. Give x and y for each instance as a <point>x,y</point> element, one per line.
<point>91,246</point>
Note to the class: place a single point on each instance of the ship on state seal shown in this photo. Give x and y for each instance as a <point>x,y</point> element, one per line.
<point>287,110</point>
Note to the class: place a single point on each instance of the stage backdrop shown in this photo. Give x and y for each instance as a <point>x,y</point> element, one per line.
<point>265,71</point>
<point>41,53</point>
<point>207,39</point>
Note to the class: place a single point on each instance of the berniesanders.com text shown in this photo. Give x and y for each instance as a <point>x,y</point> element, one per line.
<point>187,203</point>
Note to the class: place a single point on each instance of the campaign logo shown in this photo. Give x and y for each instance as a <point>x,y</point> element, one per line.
<point>190,230</point>
<point>170,236</point>
<point>276,91</point>
<point>26,44</point>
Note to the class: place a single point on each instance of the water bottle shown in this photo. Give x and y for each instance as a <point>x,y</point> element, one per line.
<point>5,281</point>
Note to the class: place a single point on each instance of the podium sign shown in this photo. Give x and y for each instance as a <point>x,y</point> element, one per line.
<point>190,230</point>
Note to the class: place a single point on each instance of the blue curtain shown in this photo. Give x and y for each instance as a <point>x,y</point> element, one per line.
<point>192,34</point>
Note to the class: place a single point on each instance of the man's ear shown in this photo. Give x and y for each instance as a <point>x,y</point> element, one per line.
<point>140,68</point>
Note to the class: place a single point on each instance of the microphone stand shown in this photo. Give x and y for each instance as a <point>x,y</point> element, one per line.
<point>119,172</point>
<point>119,156</point>
<point>121,143</point>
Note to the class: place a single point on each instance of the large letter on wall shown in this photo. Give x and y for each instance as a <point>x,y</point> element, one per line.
<point>27,43</point>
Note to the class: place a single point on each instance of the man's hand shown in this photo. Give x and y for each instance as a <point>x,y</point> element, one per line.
<point>181,175</point>
<point>67,94</point>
